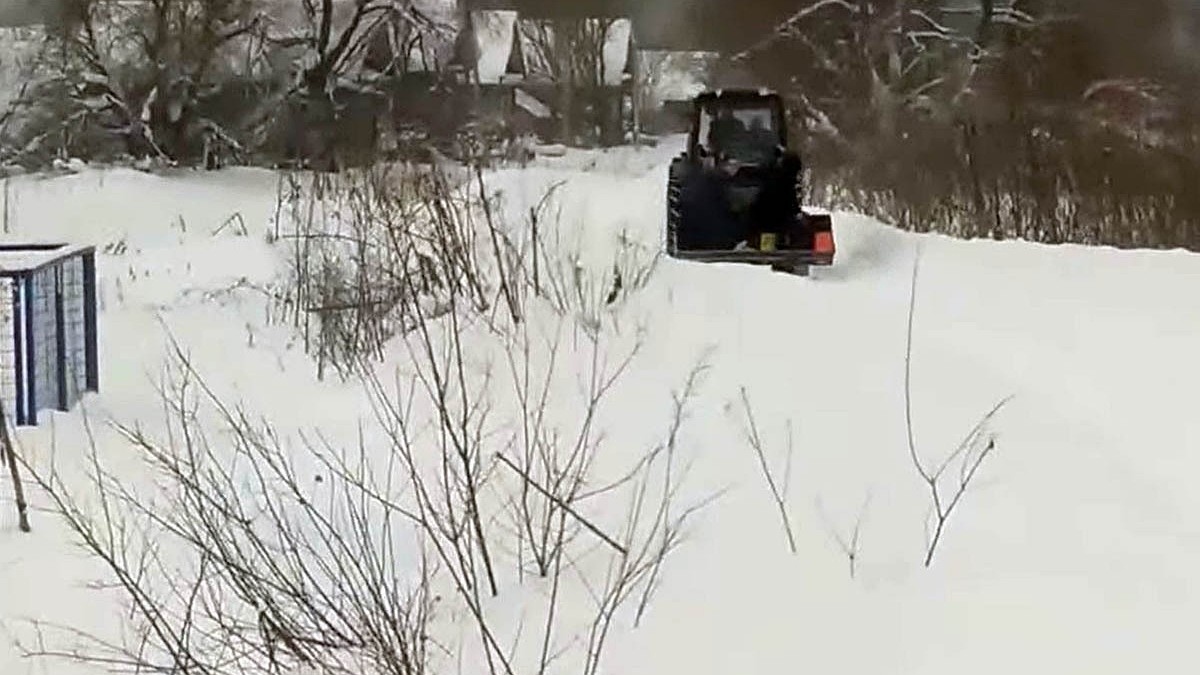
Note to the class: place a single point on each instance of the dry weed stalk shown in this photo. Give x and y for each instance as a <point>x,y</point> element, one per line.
<point>849,546</point>
<point>778,491</point>
<point>244,559</point>
<point>259,553</point>
<point>970,452</point>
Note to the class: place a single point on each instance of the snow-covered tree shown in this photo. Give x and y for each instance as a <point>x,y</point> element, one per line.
<point>143,69</point>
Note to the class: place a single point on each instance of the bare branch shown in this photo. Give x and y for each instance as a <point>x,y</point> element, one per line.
<point>563,505</point>
<point>972,451</point>
<point>849,547</point>
<point>778,493</point>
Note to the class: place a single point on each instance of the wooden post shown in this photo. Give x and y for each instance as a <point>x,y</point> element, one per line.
<point>60,340</point>
<point>91,349</point>
<point>14,470</point>
<point>636,98</point>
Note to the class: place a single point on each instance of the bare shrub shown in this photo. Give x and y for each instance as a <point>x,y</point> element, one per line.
<point>260,551</point>
<point>243,558</point>
<point>254,553</point>
<point>545,499</point>
<point>370,248</point>
<point>968,455</point>
<point>546,508</point>
<point>374,252</point>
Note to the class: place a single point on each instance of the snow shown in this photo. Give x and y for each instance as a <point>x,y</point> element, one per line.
<point>615,52</point>
<point>674,75</point>
<point>531,105</point>
<point>494,34</point>
<point>1073,551</point>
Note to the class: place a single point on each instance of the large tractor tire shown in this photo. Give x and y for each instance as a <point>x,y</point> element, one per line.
<point>674,208</point>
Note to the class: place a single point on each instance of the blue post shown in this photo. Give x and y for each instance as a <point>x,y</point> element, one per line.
<point>20,404</point>
<point>31,404</point>
<point>60,339</point>
<point>90,346</point>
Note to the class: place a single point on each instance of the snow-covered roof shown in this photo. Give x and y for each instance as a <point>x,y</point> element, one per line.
<point>25,257</point>
<point>494,40</point>
<point>616,51</point>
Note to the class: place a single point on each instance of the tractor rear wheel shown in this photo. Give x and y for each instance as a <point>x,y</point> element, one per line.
<point>674,212</point>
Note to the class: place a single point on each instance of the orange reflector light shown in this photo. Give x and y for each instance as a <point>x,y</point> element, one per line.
<point>823,242</point>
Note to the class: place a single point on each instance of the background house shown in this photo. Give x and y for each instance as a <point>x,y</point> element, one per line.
<point>550,73</point>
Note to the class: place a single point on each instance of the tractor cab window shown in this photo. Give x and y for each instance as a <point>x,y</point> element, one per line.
<point>745,134</point>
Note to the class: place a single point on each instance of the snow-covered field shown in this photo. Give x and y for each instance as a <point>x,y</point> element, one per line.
<point>1073,551</point>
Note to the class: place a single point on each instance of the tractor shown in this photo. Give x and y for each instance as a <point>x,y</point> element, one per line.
<point>734,195</point>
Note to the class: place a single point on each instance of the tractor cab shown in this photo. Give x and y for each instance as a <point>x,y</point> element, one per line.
<point>742,127</point>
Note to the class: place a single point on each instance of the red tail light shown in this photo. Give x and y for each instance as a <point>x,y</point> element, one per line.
<point>823,243</point>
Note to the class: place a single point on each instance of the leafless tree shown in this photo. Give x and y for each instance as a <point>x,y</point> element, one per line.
<point>570,53</point>
<point>142,69</point>
<point>336,34</point>
<point>337,40</point>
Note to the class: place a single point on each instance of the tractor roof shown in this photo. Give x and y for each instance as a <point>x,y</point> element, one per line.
<point>739,95</point>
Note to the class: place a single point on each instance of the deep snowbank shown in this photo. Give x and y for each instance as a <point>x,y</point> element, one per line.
<point>1073,551</point>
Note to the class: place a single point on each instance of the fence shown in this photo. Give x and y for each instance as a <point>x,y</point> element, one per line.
<point>48,345</point>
